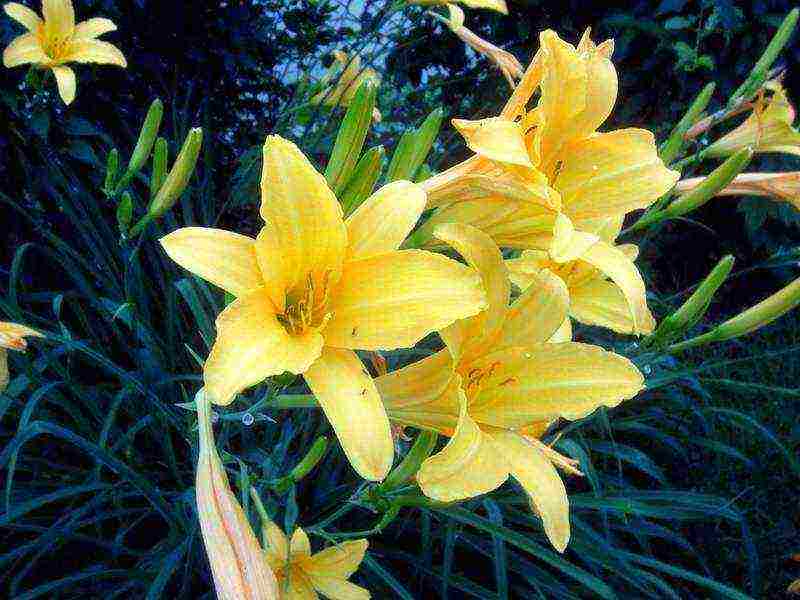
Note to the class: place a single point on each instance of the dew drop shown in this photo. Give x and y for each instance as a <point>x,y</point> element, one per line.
<point>528,355</point>
<point>248,419</point>
<point>646,369</point>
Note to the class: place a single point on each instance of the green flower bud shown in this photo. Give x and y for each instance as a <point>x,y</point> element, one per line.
<point>178,178</point>
<point>303,468</point>
<point>125,213</point>
<point>363,180</point>
<point>675,143</point>
<point>408,467</point>
<point>159,174</point>
<point>112,167</point>
<point>147,137</point>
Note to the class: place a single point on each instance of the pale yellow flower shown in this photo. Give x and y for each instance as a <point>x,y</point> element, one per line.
<point>496,5</point>
<point>236,558</point>
<point>12,337</point>
<point>778,186</point>
<point>531,164</point>
<point>508,64</point>
<point>313,287</point>
<point>349,75</point>
<point>499,384</point>
<point>605,287</point>
<point>56,40</point>
<point>303,575</point>
<point>767,129</point>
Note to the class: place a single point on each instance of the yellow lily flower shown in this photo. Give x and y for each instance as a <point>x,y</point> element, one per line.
<point>498,385</point>
<point>301,575</point>
<point>12,337</point>
<point>605,287</point>
<point>767,129</point>
<point>496,5</point>
<point>778,186</point>
<point>531,164</point>
<point>56,40</point>
<point>236,558</point>
<point>313,287</point>
<point>350,77</point>
<point>505,61</point>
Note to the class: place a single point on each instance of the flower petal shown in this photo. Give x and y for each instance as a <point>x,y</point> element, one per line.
<point>612,174</point>
<point>600,302</point>
<point>306,217</point>
<point>353,406</point>
<point>294,585</point>
<point>613,263</point>
<point>93,28</point>
<point>59,18</point>
<point>277,546</point>
<point>495,138</point>
<point>536,315</point>
<point>393,300</point>
<point>299,545</point>
<point>563,333</point>
<point>23,15</point>
<point>384,220</point>
<point>224,258</point>
<point>341,560</point>
<point>568,244</point>
<point>252,345</point>
<point>23,50</point>
<point>525,88</point>
<point>541,482</point>
<point>67,84</point>
<point>544,381</point>
<point>95,51</point>
<point>271,264</point>
<point>418,383</point>
<point>338,589</point>
<point>469,465</point>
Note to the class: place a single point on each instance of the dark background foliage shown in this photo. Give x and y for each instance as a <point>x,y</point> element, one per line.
<point>232,68</point>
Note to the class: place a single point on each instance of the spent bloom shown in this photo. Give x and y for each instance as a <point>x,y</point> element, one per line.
<point>499,384</point>
<point>236,558</point>
<point>12,337</point>
<point>777,186</point>
<point>312,288</point>
<point>302,575</point>
<point>605,287</point>
<point>54,40</point>
<point>531,164</point>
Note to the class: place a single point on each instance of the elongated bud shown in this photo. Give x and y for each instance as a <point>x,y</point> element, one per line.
<point>147,137</point>
<point>695,307</point>
<point>675,143</point>
<point>303,468</point>
<point>125,213</point>
<point>112,168</point>
<point>363,180</point>
<point>409,466</point>
<point>159,174</point>
<point>178,178</point>
<point>414,147</point>
<point>776,186</point>
<point>237,561</point>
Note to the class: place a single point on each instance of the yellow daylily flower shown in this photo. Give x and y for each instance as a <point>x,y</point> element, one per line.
<point>349,77</point>
<point>312,288</point>
<point>531,164</point>
<point>778,186</point>
<point>767,129</point>
<point>12,337</point>
<point>499,384</point>
<point>508,64</point>
<point>605,287</point>
<point>236,558</point>
<point>496,5</point>
<point>55,40</point>
<point>302,575</point>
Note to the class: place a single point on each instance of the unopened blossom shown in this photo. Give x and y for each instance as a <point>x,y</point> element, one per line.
<point>12,337</point>
<point>777,186</point>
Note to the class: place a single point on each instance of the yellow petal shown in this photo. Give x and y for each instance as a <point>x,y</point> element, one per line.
<point>395,299</point>
<point>469,465</point>
<point>67,85</point>
<point>277,548</point>
<point>307,218</point>
<point>341,560</point>
<point>252,345</point>
<point>418,383</point>
<point>12,335</point>
<point>59,19</point>
<point>538,313</point>
<point>23,15</point>
<point>93,28</point>
<point>384,220</point>
<point>613,263</point>
<point>544,381</point>
<point>271,265</point>
<point>296,586</point>
<point>612,174</point>
<point>495,138</point>
<point>351,402</point>
<point>224,258</point>
<point>568,244</point>
<point>338,589</point>
<point>601,303</point>
<point>563,333</point>
<point>300,546</point>
<point>607,228</point>
<point>483,255</point>
<point>525,88</point>
<point>541,482</point>
<point>94,51</point>
<point>23,50</point>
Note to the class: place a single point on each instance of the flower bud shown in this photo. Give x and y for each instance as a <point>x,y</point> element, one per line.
<point>12,337</point>
<point>159,174</point>
<point>147,137</point>
<point>112,166</point>
<point>409,466</point>
<point>238,566</point>
<point>303,468</point>
<point>777,186</point>
<point>125,213</point>
<point>178,178</point>
<point>761,314</point>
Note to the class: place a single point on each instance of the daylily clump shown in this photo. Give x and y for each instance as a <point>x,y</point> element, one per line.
<point>605,287</point>
<point>12,337</point>
<point>312,288</point>
<point>54,40</point>
<point>532,163</point>
<point>499,384</point>
<point>302,575</point>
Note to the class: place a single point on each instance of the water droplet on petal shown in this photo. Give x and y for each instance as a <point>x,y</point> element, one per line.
<point>248,419</point>
<point>528,355</point>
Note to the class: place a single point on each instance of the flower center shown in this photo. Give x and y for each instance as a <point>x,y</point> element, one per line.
<point>307,305</point>
<point>54,45</point>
